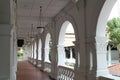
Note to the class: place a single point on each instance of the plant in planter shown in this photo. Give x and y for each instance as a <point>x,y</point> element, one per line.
<point>113,31</point>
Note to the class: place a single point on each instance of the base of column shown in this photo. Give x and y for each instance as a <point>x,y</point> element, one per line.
<point>91,75</point>
<point>102,72</point>
<point>13,74</point>
<point>4,78</point>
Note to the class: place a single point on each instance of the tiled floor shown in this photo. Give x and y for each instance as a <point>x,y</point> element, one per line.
<point>26,71</point>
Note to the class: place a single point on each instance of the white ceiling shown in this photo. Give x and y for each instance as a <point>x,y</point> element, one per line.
<point>28,13</point>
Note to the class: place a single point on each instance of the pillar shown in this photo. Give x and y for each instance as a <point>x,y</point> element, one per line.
<point>91,59</point>
<point>6,49</point>
<point>40,53</point>
<point>71,54</point>
<point>37,53</point>
<point>61,55</point>
<point>47,54</point>
<point>101,48</point>
<point>54,62</point>
<point>109,56</point>
<point>80,56</point>
<point>42,58</point>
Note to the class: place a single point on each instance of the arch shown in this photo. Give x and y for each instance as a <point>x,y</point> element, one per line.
<point>62,32</point>
<point>104,14</point>
<point>47,47</point>
<point>61,50</point>
<point>101,39</point>
<point>39,49</point>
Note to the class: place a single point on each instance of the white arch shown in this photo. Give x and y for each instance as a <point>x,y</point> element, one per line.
<point>101,39</point>
<point>48,37</point>
<point>39,50</point>
<point>61,51</point>
<point>103,18</point>
<point>62,32</point>
<point>35,50</point>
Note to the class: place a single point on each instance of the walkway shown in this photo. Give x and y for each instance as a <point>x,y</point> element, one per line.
<point>26,71</point>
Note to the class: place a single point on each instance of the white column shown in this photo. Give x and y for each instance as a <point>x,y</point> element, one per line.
<point>101,48</point>
<point>109,56</point>
<point>47,54</point>
<point>35,52</point>
<point>71,54</point>
<point>61,55</point>
<point>32,51</point>
<point>39,53</point>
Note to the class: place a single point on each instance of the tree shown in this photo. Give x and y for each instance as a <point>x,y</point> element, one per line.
<point>113,31</point>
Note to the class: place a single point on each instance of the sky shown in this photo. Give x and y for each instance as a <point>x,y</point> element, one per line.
<point>115,12</point>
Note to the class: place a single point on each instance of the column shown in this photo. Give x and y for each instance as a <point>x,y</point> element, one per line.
<point>80,59</point>
<point>109,56</point>
<point>5,51</point>
<point>61,55</point>
<point>47,54</point>
<point>40,53</point>
<point>33,53</point>
<point>42,58</point>
<point>13,55</point>
<point>37,55</point>
<point>101,48</point>
<point>91,57</point>
<point>71,54</point>
<point>54,61</point>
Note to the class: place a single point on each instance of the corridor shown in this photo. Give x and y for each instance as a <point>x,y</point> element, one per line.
<point>26,71</point>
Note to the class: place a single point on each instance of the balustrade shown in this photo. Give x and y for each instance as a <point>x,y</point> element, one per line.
<point>47,67</point>
<point>39,63</point>
<point>65,73</point>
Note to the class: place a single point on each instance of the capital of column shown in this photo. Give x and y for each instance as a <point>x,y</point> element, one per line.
<point>90,39</point>
<point>101,44</point>
<point>101,40</point>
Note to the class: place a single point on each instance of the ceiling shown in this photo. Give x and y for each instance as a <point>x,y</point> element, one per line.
<point>28,14</point>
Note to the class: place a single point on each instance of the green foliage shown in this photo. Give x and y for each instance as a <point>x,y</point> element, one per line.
<point>70,64</point>
<point>20,54</point>
<point>113,31</point>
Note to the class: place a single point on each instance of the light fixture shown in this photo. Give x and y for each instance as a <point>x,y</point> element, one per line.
<point>40,27</point>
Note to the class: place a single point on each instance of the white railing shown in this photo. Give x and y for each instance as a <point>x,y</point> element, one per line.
<point>65,73</point>
<point>39,63</point>
<point>47,67</point>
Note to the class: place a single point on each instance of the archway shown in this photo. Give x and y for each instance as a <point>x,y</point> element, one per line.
<point>101,39</point>
<point>66,53</point>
